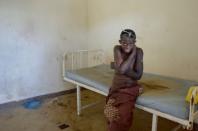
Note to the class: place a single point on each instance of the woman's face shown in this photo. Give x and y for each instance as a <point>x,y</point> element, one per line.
<point>127,43</point>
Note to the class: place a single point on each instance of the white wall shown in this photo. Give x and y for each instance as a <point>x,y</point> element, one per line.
<point>33,36</point>
<point>35,33</point>
<point>166,30</point>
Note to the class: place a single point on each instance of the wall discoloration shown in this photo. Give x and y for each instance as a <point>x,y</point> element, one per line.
<point>33,37</point>
<point>166,30</point>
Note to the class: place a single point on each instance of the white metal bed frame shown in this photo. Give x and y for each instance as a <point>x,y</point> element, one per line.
<point>89,58</point>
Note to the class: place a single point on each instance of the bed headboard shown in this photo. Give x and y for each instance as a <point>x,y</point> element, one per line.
<point>82,58</point>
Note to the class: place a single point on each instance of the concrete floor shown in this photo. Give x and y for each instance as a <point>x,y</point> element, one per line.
<point>62,110</point>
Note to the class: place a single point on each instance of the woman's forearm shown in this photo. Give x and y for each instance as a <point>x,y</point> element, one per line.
<point>135,75</point>
<point>136,72</point>
<point>122,69</point>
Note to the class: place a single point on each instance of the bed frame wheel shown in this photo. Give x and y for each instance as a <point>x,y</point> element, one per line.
<point>189,128</point>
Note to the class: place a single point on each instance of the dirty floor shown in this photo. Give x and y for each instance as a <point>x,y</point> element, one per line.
<point>59,114</point>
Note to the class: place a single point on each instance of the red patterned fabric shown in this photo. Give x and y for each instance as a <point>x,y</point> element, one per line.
<point>119,108</point>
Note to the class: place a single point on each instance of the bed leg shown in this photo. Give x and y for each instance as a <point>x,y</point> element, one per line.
<point>78,100</point>
<point>154,122</point>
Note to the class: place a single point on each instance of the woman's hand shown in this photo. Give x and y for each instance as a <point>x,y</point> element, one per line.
<point>134,51</point>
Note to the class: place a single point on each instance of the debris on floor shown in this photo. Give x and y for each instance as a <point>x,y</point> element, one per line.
<point>32,104</point>
<point>63,126</point>
<point>59,114</point>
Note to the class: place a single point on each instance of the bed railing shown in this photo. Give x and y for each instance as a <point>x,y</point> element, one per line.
<point>81,59</point>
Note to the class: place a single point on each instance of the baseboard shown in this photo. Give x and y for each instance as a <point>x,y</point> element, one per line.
<point>42,97</point>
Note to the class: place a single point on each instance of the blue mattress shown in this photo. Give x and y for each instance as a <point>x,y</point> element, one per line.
<point>165,94</point>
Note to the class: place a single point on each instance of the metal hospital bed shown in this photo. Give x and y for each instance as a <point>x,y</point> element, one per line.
<point>163,96</point>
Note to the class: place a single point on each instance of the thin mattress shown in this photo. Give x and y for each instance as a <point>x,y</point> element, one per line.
<point>164,94</point>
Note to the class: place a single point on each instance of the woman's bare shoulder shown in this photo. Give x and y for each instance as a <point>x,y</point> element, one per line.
<point>117,48</point>
<point>139,50</point>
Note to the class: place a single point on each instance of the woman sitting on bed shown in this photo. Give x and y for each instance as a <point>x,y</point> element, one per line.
<point>125,89</point>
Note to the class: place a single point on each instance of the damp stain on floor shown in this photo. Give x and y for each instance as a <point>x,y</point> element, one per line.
<point>59,114</point>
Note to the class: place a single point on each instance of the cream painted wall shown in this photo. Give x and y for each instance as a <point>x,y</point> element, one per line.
<point>166,30</point>
<point>33,36</point>
<point>35,33</point>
